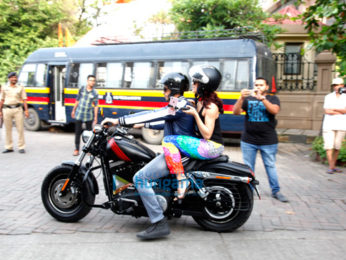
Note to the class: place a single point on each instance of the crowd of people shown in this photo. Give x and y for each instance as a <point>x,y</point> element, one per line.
<point>192,131</point>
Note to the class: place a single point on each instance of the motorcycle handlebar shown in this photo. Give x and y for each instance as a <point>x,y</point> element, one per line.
<point>107,128</point>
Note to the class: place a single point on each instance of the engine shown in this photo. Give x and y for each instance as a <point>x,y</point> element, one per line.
<point>129,202</point>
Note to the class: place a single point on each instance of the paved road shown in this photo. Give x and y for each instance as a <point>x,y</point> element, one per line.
<point>311,226</point>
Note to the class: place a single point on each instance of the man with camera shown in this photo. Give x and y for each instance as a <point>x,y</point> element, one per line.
<point>259,130</point>
<point>334,123</point>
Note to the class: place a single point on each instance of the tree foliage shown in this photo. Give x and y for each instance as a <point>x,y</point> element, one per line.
<point>27,25</point>
<point>329,36</point>
<point>209,15</point>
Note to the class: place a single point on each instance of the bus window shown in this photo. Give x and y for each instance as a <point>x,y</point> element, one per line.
<point>101,75</point>
<point>114,75</point>
<point>85,69</point>
<point>138,74</point>
<point>79,73</point>
<point>228,75</point>
<point>216,64</point>
<point>27,75</point>
<point>74,72</point>
<point>172,66</point>
<point>242,79</point>
<point>41,72</point>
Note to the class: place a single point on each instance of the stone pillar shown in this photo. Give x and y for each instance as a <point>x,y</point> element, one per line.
<point>325,61</point>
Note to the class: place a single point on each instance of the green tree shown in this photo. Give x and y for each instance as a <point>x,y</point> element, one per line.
<point>329,35</point>
<point>207,15</point>
<point>27,25</point>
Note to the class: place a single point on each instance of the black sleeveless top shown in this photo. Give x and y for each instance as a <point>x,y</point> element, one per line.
<point>216,136</point>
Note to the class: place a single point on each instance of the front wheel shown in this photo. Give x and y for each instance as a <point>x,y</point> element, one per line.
<point>70,207</point>
<point>227,207</point>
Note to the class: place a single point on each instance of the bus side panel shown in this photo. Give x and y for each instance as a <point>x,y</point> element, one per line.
<point>70,96</point>
<point>39,99</point>
<point>232,123</point>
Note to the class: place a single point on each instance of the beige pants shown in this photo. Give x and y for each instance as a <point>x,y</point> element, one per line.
<point>17,114</point>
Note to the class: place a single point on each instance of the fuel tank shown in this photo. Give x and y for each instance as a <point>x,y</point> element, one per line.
<point>128,149</point>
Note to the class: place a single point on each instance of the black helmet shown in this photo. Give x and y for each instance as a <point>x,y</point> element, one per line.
<point>177,82</point>
<point>208,76</point>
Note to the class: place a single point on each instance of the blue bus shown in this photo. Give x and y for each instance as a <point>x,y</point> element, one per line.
<point>127,75</point>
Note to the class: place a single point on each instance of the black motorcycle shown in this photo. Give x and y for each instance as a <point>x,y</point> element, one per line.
<point>220,197</point>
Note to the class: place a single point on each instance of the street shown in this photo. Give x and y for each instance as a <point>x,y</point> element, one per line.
<point>311,226</point>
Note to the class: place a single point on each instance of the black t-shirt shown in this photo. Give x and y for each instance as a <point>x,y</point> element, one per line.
<point>259,123</point>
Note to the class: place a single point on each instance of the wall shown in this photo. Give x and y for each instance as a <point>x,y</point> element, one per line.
<point>304,110</point>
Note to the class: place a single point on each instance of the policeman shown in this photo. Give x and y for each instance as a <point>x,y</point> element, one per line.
<point>12,95</point>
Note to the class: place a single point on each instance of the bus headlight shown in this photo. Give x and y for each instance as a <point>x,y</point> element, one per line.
<point>86,135</point>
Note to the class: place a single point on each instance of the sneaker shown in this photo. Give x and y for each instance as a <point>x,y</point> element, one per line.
<point>157,230</point>
<point>279,196</point>
<point>75,152</point>
<point>21,151</point>
<point>7,151</point>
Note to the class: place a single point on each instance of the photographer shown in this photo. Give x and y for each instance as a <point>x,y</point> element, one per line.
<point>259,130</point>
<point>334,123</point>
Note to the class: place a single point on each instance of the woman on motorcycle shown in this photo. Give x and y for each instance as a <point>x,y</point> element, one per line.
<point>206,79</point>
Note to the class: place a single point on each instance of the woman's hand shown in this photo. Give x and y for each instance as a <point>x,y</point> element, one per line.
<point>190,111</point>
<point>112,121</point>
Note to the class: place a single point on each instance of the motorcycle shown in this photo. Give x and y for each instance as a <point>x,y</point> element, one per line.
<point>220,197</point>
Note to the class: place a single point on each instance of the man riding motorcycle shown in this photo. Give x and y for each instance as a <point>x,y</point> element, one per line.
<point>174,123</point>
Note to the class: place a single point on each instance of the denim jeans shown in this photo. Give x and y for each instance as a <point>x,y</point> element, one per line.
<point>268,153</point>
<point>154,170</point>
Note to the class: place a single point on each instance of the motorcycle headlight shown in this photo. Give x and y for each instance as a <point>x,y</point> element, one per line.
<point>86,135</point>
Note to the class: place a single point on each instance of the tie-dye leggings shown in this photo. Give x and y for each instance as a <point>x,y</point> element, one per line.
<point>189,146</point>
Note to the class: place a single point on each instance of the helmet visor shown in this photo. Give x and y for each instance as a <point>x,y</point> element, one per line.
<point>197,74</point>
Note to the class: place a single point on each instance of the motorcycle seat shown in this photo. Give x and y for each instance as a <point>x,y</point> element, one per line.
<point>190,163</point>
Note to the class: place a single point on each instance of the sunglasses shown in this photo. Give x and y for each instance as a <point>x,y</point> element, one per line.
<point>165,89</point>
<point>194,82</point>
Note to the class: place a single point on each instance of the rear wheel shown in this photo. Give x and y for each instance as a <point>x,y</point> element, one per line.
<point>71,206</point>
<point>227,207</point>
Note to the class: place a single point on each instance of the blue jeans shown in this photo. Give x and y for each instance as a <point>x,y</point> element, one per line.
<point>154,170</point>
<point>268,153</point>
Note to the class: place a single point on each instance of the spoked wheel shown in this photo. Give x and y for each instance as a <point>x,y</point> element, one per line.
<point>227,207</point>
<point>70,206</point>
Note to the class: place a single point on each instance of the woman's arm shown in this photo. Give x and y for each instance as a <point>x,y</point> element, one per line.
<point>211,114</point>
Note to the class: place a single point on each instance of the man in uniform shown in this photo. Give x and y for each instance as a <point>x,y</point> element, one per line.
<point>12,95</point>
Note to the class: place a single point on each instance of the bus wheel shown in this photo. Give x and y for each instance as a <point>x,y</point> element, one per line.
<point>152,136</point>
<point>33,122</point>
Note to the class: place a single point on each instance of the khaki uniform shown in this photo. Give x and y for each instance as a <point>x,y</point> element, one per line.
<point>12,110</point>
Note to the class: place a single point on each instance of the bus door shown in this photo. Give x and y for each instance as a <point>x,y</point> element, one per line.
<point>57,75</point>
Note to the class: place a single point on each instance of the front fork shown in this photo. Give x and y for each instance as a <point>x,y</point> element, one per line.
<point>77,164</point>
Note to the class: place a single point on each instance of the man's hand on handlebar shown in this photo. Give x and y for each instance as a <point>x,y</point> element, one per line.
<point>110,122</point>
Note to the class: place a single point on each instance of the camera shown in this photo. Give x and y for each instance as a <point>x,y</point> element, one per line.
<point>342,90</point>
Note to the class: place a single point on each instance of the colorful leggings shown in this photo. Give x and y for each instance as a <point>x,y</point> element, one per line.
<point>189,146</point>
